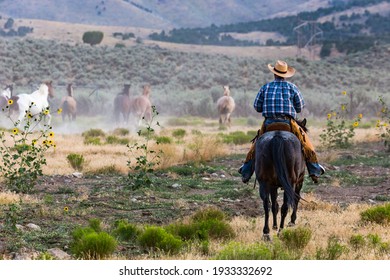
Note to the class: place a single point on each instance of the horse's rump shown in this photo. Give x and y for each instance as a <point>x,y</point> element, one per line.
<point>279,161</point>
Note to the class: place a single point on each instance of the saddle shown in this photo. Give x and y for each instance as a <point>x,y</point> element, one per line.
<point>278,126</point>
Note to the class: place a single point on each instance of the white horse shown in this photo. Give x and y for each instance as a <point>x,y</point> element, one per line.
<point>5,95</point>
<point>225,106</point>
<point>34,104</point>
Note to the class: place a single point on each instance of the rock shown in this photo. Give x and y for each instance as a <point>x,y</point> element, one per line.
<point>176,186</point>
<point>33,227</point>
<point>20,227</point>
<point>58,254</point>
<point>77,175</point>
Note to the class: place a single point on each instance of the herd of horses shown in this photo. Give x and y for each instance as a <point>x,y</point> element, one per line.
<point>279,161</point>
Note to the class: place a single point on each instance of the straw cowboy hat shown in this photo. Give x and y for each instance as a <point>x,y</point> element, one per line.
<point>281,69</point>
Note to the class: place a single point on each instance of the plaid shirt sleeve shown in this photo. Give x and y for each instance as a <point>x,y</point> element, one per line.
<point>298,101</point>
<point>259,100</point>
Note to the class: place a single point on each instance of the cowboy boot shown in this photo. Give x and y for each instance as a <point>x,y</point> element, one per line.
<point>246,170</point>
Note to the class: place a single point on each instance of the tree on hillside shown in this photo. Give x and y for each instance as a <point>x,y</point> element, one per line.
<point>93,37</point>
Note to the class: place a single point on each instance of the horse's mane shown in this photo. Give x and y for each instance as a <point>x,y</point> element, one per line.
<point>302,124</point>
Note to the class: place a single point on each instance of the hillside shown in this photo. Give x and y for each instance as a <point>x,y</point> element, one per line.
<point>161,14</point>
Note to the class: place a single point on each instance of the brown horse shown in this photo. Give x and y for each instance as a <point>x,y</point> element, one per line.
<point>141,107</point>
<point>279,162</point>
<point>122,105</point>
<point>225,106</point>
<point>69,105</point>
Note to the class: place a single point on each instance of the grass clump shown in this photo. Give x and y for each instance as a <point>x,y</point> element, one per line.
<point>163,140</point>
<point>92,243</point>
<point>379,214</point>
<point>333,251</point>
<point>237,137</point>
<point>121,131</point>
<point>296,238</point>
<point>203,225</point>
<point>179,133</point>
<point>125,231</point>
<point>158,239</point>
<point>112,139</point>
<point>93,132</point>
<point>92,141</point>
<point>76,161</point>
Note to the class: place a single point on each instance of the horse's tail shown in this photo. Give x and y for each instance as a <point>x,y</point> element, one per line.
<point>279,159</point>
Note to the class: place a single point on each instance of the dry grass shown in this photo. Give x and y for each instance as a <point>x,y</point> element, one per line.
<point>325,221</point>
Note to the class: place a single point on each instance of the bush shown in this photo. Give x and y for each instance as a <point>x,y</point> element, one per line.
<point>379,214</point>
<point>76,161</point>
<point>93,37</point>
<point>163,140</point>
<point>237,251</point>
<point>125,231</point>
<point>179,133</point>
<point>89,244</point>
<point>156,238</point>
<point>296,239</point>
<point>116,140</point>
<point>93,132</point>
<point>333,251</point>
<point>209,213</point>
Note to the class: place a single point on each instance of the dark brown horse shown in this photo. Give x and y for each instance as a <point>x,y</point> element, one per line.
<point>69,105</point>
<point>122,105</point>
<point>279,162</point>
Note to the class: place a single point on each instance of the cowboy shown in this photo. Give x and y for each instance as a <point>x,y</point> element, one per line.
<point>279,102</point>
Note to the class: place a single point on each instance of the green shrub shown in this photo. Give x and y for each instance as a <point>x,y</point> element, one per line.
<point>163,140</point>
<point>379,214</point>
<point>125,231</point>
<point>92,141</point>
<point>93,132</point>
<point>237,138</point>
<point>179,133</point>
<point>112,139</point>
<point>357,241</point>
<point>156,238</point>
<point>76,161</point>
<point>89,244</point>
<point>295,238</point>
<point>93,37</point>
<point>333,251</point>
<point>208,213</point>
<point>95,224</point>
<point>121,131</point>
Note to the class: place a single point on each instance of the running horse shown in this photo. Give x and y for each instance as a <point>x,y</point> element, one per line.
<point>279,163</point>
<point>69,105</point>
<point>34,103</point>
<point>122,105</point>
<point>5,95</point>
<point>141,106</point>
<point>225,106</point>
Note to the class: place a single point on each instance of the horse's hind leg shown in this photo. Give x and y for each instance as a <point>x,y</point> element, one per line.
<point>264,195</point>
<point>296,202</point>
<point>283,212</point>
<point>275,208</point>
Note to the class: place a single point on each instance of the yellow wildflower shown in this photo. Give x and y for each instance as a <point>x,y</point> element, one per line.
<point>59,110</point>
<point>360,116</point>
<point>34,141</point>
<point>15,131</point>
<point>384,124</point>
<point>10,102</point>
<point>51,134</point>
<point>46,112</point>
<point>344,93</point>
<point>355,124</point>
<point>343,107</point>
<point>66,209</point>
<point>329,116</point>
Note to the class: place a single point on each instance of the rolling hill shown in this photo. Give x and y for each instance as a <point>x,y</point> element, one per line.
<point>160,14</point>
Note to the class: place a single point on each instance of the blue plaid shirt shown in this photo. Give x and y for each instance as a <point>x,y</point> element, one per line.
<point>279,97</point>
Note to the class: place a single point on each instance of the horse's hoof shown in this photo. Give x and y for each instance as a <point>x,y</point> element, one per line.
<point>275,227</point>
<point>291,224</point>
<point>267,237</point>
